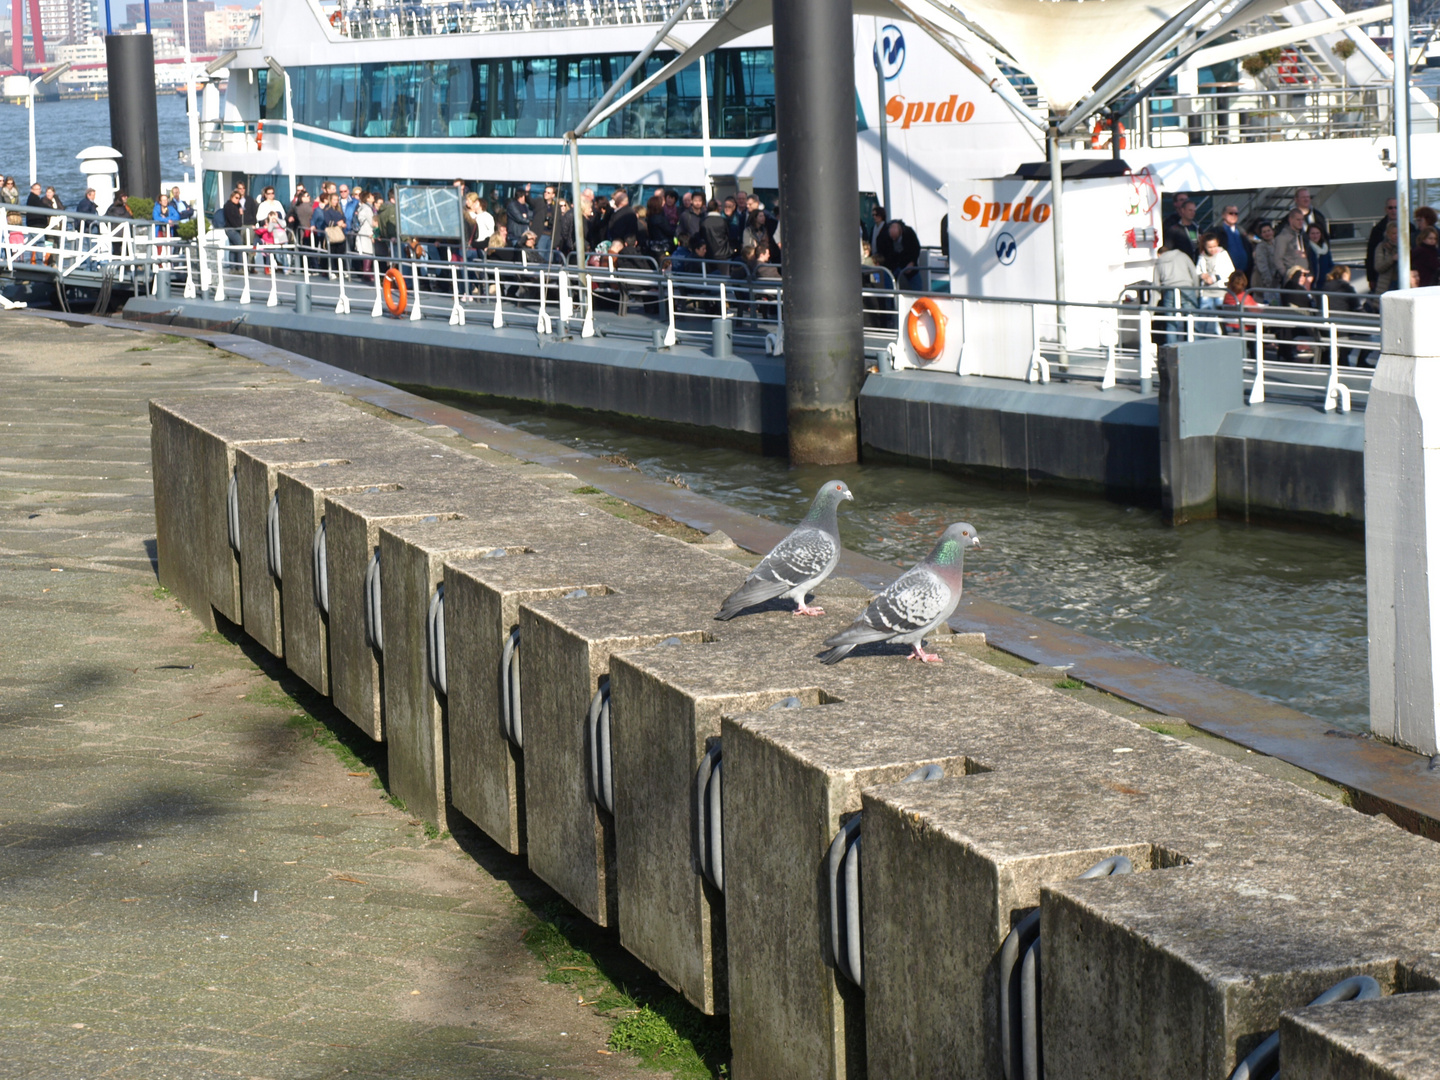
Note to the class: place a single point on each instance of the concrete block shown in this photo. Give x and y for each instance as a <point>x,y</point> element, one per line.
<point>352,536</point>
<point>257,466</point>
<point>1394,1038</point>
<point>638,593</point>
<point>1402,523</point>
<point>1249,908</point>
<point>791,777</point>
<point>192,447</point>
<point>301,495</point>
<point>1200,382</point>
<point>666,706</point>
<point>500,519</point>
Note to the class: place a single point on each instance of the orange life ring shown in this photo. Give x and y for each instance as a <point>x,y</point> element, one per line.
<point>260,135</point>
<point>336,16</point>
<point>925,306</point>
<point>396,297</point>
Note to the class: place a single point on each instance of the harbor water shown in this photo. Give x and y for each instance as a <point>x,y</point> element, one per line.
<point>1277,612</point>
<point>64,128</point>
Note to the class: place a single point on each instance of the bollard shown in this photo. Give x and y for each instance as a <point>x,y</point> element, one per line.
<point>162,284</point>
<point>302,298</point>
<point>1402,522</point>
<point>657,339</point>
<point>720,338</point>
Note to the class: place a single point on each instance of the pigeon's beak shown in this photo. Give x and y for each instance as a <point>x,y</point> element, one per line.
<point>975,543</point>
<point>849,495</point>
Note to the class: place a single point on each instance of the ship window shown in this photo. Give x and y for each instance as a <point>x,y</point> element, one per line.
<point>747,93</point>
<point>582,80</point>
<point>524,98</point>
<point>447,100</point>
<point>390,99</point>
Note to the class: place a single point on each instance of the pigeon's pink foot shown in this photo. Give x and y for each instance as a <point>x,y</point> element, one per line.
<point>803,609</point>
<point>918,653</point>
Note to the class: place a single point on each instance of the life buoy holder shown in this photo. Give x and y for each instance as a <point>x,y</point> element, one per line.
<point>926,306</point>
<point>396,295</point>
<point>260,135</point>
<point>1101,134</point>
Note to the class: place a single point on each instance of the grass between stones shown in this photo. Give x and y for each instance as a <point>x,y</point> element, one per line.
<point>652,1022</point>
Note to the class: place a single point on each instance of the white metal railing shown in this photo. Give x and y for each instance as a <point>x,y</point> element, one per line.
<point>1292,354</point>
<point>71,245</point>
<point>425,18</point>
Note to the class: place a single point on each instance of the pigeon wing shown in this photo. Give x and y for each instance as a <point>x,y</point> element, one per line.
<point>806,555</point>
<point>915,601</point>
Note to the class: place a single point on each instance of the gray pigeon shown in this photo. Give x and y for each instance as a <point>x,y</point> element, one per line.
<point>915,603</point>
<point>799,562</point>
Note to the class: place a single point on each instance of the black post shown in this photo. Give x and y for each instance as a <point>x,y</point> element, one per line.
<point>134,121</point>
<point>819,212</point>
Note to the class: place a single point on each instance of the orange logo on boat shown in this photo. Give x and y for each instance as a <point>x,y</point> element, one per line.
<point>990,212</point>
<point>902,112</point>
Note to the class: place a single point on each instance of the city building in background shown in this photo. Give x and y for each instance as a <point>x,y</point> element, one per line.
<point>169,15</point>
<point>227,27</point>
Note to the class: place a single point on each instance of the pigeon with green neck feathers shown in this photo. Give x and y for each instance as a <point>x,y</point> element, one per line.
<point>915,603</point>
<point>799,562</point>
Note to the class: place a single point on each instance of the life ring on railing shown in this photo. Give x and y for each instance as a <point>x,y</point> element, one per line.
<point>260,135</point>
<point>1101,134</point>
<point>925,306</point>
<point>396,295</point>
<point>336,18</point>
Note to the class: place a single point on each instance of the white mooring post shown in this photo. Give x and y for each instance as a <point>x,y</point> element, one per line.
<point>1402,522</point>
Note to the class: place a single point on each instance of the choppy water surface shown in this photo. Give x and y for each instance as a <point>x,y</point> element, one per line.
<point>1272,611</point>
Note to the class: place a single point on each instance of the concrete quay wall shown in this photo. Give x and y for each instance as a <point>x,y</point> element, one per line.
<point>554,674</point>
<point>1279,461</point>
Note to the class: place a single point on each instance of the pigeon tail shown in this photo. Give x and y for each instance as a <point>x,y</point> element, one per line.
<point>835,655</point>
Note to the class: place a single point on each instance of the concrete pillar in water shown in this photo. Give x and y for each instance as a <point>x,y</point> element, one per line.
<point>1200,381</point>
<point>1402,522</point>
<point>134,122</point>
<point>815,125</point>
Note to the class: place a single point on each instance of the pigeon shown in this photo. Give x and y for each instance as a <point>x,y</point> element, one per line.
<point>799,562</point>
<point>915,603</point>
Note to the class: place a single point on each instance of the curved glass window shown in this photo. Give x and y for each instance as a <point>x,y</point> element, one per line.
<point>535,97</point>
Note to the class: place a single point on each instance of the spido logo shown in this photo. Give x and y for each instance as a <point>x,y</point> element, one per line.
<point>902,112</point>
<point>990,212</point>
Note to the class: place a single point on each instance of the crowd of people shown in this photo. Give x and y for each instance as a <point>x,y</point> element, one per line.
<point>675,230</point>
<point>1285,264</point>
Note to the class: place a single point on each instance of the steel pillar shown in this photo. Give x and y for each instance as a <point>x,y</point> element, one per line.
<point>819,214</point>
<point>134,122</point>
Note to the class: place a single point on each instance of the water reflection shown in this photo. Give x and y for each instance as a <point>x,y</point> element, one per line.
<point>1276,612</point>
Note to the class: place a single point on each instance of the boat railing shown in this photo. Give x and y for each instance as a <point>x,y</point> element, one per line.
<point>1303,347</point>
<point>1298,348</point>
<point>70,246</point>
<point>1250,116</point>
<point>414,18</point>
<point>233,136</point>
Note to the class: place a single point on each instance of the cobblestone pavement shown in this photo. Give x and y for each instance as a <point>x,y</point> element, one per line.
<point>191,885</point>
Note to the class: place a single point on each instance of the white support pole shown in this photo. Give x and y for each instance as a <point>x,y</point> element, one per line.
<point>305,268</point>
<point>189,277</point>
<point>499,321</point>
<point>1400,59</point>
<point>1402,523</point>
<point>342,304</point>
<point>567,302</point>
<point>724,308</point>
<point>587,329</point>
<point>1039,367</point>
<point>542,322</point>
<point>377,309</point>
<point>415,313</point>
<point>1337,394</point>
<point>219,274</point>
<point>670,337</point>
<point>245,276</point>
<point>1257,391</point>
<point>1147,344</point>
<point>457,312</point>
